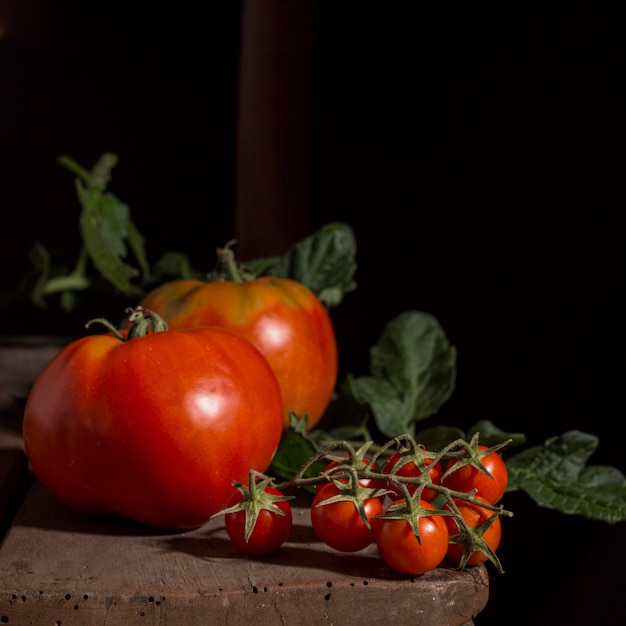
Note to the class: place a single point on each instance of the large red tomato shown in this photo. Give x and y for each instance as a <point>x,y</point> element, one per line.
<point>155,428</point>
<point>284,319</point>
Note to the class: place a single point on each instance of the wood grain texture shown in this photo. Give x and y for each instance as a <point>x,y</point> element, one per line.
<point>58,567</point>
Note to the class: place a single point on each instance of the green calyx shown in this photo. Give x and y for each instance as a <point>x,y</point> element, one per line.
<point>254,500</point>
<point>141,322</point>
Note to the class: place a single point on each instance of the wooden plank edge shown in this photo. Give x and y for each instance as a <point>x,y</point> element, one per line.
<point>15,479</point>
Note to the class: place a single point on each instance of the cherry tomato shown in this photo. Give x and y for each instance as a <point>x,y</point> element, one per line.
<point>154,428</point>
<point>281,317</point>
<point>474,515</point>
<point>339,524</point>
<point>270,529</point>
<point>468,477</point>
<point>400,549</point>
<point>410,469</point>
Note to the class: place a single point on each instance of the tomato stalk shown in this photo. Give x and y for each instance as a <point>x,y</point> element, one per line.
<point>471,454</point>
<point>228,268</point>
<point>472,539</point>
<point>141,322</point>
<point>351,490</point>
<point>410,509</point>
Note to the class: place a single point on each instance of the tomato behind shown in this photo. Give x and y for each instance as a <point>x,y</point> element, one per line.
<point>281,317</point>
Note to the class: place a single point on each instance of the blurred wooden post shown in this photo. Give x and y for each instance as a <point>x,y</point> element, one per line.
<point>274,126</point>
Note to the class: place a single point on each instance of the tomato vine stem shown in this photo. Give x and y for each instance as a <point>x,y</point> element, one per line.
<point>141,322</point>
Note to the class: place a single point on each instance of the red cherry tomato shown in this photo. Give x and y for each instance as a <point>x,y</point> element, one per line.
<point>270,531</point>
<point>339,524</point>
<point>410,469</point>
<point>155,428</point>
<point>400,548</point>
<point>468,477</point>
<point>474,515</point>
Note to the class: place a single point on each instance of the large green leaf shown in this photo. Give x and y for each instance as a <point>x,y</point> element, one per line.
<point>556,476</point>
<point>103,225</point>
<point>413,373</point>
<point>325,262</point>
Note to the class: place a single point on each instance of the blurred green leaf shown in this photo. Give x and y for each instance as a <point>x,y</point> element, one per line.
<point>325,262</point>
<point>556,476</point>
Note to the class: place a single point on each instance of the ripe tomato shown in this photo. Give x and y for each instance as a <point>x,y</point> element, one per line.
<point>410,469</point>
<point>270,529</point>
<point>155,428</point>
<point>281,317</point>
<point>474,515</point>
<point>468,477</point>
<point>400,549</point>
<point>339,524</point>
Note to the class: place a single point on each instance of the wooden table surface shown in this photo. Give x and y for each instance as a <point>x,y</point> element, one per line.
<point>61,568</point>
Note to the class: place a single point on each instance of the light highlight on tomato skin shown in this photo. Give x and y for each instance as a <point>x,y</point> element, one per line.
<point>154,429</point>
<point>281,317</point>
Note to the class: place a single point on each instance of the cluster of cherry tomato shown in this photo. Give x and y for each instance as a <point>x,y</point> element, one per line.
<point>419,510</point>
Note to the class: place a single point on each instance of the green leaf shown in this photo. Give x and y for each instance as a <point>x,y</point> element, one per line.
<point>100,223</point>
<point>438,437</point>
<point>294,450</point>
<point>325,262</point>
<point>40,260</point>
<point>490,435</point>
<point>106,227</point>
<point>136,243</point>
<point>556,476</point>
<point>345,411</point>
<point>413,369</point>
<point>175,265</point>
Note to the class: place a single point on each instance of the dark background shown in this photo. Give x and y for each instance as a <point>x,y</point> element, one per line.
<point>477,149</point>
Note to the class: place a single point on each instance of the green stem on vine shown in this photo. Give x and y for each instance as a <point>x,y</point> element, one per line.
<point>75,281</point>
<point>228,266</point>
<point>141,321</point>
<point>352,465</point>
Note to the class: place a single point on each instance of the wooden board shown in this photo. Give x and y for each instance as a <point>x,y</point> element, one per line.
<point>57,567</point>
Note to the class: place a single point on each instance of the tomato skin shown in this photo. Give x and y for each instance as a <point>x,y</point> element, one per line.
<point>270,529</point>
<point>281,317</point>
<point>474,515</point>
<point>154,429</point>
<point>401,550</point>
<point>467,478</point>
<point>409,469</point>
<point>339,524</point>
